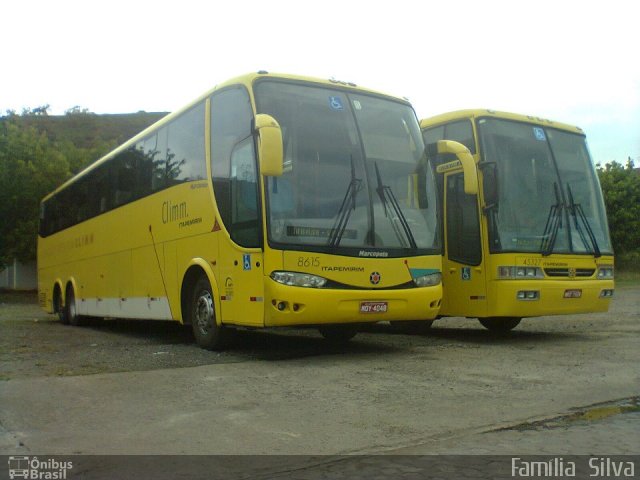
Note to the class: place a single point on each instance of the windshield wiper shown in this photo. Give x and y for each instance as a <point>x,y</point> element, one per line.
<point>388,198</point>
<point>554,222</point>
<point>576,211</point>
<point>348,206</point>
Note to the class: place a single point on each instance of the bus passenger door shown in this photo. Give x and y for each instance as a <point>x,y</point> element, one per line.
<point>241,285</point>
<point>241,281</point>
<point>464,276</point>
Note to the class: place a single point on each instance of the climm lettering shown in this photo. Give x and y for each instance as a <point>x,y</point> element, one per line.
<point>172,212</point>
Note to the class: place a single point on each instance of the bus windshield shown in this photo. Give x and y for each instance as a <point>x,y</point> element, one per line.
<point>356,176</point>
<point>549,198</point>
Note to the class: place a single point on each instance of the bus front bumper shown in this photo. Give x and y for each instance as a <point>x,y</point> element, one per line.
<point>512,298</point>
<point>287,305</point>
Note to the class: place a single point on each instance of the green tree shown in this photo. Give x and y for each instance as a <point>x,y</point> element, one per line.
<point>30,167</point>
<point>621,189</point>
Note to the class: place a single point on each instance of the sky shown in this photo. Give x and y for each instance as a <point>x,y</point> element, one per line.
<point>575,62</point>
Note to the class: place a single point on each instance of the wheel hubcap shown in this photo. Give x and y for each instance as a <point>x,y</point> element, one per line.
<point>204,312</point>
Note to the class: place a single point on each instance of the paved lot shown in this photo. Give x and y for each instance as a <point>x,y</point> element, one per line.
<point>131,388</point>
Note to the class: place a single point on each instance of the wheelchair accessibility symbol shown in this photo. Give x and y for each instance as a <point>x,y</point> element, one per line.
<point>246,261</point>
<point>336,103</point>
<point>539,134</point>
<point>466,273</point>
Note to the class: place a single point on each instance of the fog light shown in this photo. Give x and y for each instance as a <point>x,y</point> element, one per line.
<point>528,295</point>
<point>281,306</point>
<point>607,293</point>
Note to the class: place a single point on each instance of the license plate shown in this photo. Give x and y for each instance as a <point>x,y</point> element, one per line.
<point>373,307</point>
<point>575,293</point>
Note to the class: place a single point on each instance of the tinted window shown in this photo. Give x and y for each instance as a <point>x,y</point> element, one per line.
<point>172,155</point>
<point>461,132</point>
<point>434,134</point>
<point>185,158</point>
<point>463,229</point>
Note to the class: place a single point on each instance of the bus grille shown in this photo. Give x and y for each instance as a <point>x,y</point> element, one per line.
<point>569,272</point>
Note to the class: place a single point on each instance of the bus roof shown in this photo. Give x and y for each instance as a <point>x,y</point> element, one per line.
<point>479,113</point>
<point>246,80</point>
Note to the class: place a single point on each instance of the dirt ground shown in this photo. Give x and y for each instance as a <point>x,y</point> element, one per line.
<point>33,343</point>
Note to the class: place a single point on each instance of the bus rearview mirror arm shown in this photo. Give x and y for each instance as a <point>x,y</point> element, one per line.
<point>464,157</point>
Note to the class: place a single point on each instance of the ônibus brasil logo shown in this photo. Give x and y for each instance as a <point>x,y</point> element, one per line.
<point>35,469</point>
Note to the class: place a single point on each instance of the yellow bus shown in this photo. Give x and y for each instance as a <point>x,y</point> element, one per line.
<point>271,200</point>
<point>534,241</point>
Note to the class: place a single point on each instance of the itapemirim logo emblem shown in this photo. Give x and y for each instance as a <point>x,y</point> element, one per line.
<point>375,278</point>
<point>36,469</point>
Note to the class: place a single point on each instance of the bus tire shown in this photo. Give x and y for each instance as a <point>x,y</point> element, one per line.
<point>206,330</point>
<point>58,308</point>
<point>500,324</point>
<point>338,334</point>
<point>71,312</point>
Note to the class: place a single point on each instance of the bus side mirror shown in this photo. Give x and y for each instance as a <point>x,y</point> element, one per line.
<point>269,145</point>
<point>465,159</point>
<point>489,183</point>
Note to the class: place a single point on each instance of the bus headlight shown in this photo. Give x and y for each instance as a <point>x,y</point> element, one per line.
<point>519,273</point>
<point>605,273</point>
<point>296,279</point>
<point>428,280</point>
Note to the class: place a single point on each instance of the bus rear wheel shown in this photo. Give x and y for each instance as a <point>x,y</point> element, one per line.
<point>58,308</point>
<point>70,311</point>
<point>500,324</point>
<point>206,330</point>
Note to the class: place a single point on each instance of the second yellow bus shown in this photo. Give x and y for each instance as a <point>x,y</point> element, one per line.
<point>534,241</point>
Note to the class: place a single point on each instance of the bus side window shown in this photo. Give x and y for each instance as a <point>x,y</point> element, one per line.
<point>185,159</point>
<point>461,132</point>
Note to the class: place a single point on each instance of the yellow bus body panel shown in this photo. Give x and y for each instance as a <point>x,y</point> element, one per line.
<point>502,294</point>
<point>304,306</point>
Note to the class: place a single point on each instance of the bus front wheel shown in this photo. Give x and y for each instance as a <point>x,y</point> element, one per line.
<point>338,334</point>
<point>500,324</point>
<point>206,330</point>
